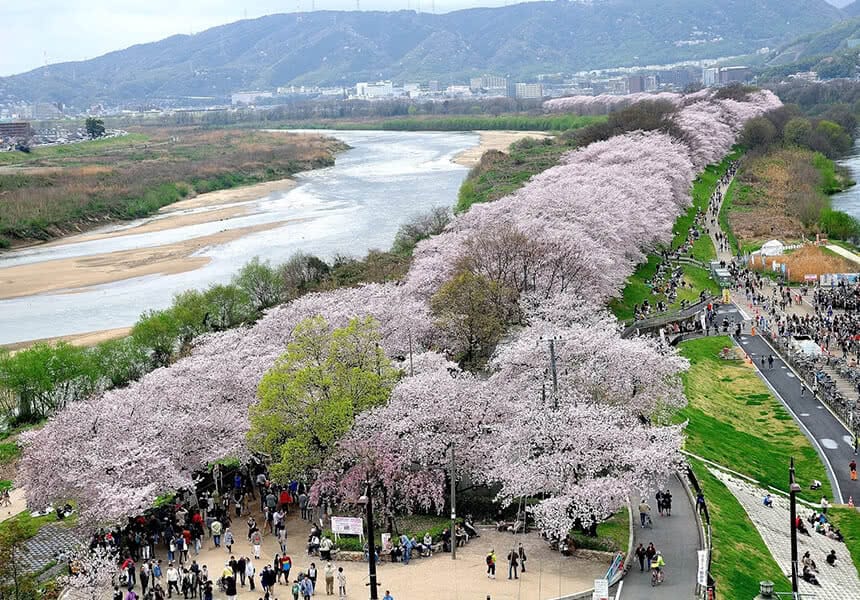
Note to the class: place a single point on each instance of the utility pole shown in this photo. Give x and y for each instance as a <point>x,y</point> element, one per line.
<point>793,489</point>
<point>453,505</point>
<point>371,544</point>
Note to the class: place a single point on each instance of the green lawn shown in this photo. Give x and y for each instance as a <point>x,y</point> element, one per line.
<point>735,421</point>
<point>71,150</point>
<point>9,451</point>
<point>740,558</point>
<point>613,534</point>
<point>848,522</point>
<point>30,526</point>
<point>637,290</point>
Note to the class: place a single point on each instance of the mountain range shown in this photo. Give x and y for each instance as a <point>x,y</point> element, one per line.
<point>340,48</point>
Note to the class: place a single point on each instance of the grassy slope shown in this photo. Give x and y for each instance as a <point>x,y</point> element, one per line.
<point>735,421</point>
<point>740,557</point>
<point>637,289</point>
<point>613,534</point>
<point>848,522</point>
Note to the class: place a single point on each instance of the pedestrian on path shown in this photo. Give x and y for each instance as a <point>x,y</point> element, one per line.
<point>341,584</point>
<point>522,554</point>
<point>659,498</point>
<point>329,579</point>
<point>667,503</point>
<point>650,552</point>
<point>644,512</point>
<point>852,466</point>
<point>770,361</point>
<point>491,564</point>
<point>513,564</point>
<point>640,556</point>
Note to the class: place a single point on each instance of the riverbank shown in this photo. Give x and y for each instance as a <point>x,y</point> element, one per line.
<point>494,140</point>
<point>52,194</point>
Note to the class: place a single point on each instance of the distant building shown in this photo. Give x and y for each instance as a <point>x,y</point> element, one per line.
<point>652,83</point>
<point>18,130</point>
<point>715,76</point>
<point>528,91</point>
<point>44,111</point>
<point>805,76</point>
<point>380,89</point>
<point>433,86</point>
<point>249,97</point>
<point>636,84</point>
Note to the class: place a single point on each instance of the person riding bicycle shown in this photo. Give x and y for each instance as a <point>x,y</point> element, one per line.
<point>657,564</point>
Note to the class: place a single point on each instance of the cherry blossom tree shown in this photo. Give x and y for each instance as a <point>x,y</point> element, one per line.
<point>94,572</point>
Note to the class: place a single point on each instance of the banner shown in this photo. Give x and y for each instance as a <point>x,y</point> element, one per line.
<point>810,277</point>
<point>347,526</point>
<point>702,572</point>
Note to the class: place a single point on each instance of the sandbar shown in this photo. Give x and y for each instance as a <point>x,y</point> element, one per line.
<point>74,274</point>
<point>494,140</point>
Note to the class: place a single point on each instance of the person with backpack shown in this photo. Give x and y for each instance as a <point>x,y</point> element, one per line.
<point>296,590</point>
<point>491,564</point>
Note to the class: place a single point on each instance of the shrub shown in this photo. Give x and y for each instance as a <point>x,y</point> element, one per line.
<point>839,225</point>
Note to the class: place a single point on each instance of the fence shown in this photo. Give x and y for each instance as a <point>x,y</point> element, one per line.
<point>705,516</point>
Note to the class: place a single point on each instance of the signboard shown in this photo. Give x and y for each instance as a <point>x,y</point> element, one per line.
<point>727,296</point>
<point>347,526</point>
<point>810,277</point>
<point>702,572</point>
<point>601,589</point>
<point>385,538</point>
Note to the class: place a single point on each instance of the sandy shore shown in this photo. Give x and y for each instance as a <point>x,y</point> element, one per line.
<point>73,274</point>
<point>76,339</point>
<point>220,204</point>
<point>494,140</point>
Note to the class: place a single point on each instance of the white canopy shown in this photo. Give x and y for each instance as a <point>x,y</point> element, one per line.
<point>773,248</point>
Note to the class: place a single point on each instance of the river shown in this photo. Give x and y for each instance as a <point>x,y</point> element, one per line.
<point>849,200</point>
<point>358,204</point>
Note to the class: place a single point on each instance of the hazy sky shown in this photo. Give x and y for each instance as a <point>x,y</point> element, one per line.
<point>63,30</point>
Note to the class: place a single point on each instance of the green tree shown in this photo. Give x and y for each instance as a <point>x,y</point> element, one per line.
<point>190,309</point>
<point>309,399</point>
<point>95,127</point>
<point>157,331</point>
<point>798,131</point>
<point>15,581</point>
<point>832,139</point>
<point>758,131</point>
<point>45,378</point>
<point>261,282</point>
<point>121,361</point>
<point>468,309</point>
<point>227,306</point>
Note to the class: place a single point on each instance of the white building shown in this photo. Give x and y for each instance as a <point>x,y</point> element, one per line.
<point>529,91</point>
<point>248,97</point>
<point>380,89</point>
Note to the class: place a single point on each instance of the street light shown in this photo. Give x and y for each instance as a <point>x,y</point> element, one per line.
<point>793,490</point>
<point>367,501</point>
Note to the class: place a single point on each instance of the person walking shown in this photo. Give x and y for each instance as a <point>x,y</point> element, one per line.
<point>491,564</point>
<point>640,556</point>
<point>644,512</point>
<point>659,498</point>
<point>341,584</point>
<point>387,596</point>
<point>650,552</point>
<point>329,579</point>
<point>667,503</point>
<point>256,542</point>
<point>522,554</point>
<point>513,564</point>
<point>172,580</point>
<point>250,571</point>
<point>228,540</point>
<point>770,361</point>
<point>216,528</point>
<point>852,467</point>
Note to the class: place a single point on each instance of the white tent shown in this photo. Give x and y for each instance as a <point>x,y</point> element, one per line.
<point>772,248</point>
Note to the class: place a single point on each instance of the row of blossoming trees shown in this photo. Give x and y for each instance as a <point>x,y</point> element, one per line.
<point>564,243</point>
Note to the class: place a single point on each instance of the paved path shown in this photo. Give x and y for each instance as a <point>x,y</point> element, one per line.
<point>837,582</point>
<point>832,440</point>
<point>843,252</point>
<point>677,537</point>
<point>43,548</point>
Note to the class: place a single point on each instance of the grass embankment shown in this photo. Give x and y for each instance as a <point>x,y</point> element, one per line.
<point>848,522</point>
<point>460,123</point>
<point>784,193</point>
<point>66,188</point>
<point>735,421</point>
<point>740,558</point>
<point>500,173</point>
<point>637,289</point>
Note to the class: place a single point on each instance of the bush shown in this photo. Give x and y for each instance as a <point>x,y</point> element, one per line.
<point>839,225</point>
<point>157,331</point>
<point>420,227</point>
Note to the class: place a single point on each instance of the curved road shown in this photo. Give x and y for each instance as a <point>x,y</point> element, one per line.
<point>677,537</point>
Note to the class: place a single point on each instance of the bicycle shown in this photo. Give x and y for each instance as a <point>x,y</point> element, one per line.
<point>656,576</point>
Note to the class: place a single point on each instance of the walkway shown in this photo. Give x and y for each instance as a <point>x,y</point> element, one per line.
<point>677,537</point>
<point>722,255</point>
<point>837,582</point>
<point>827,434</point>
<point>843,252</point>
